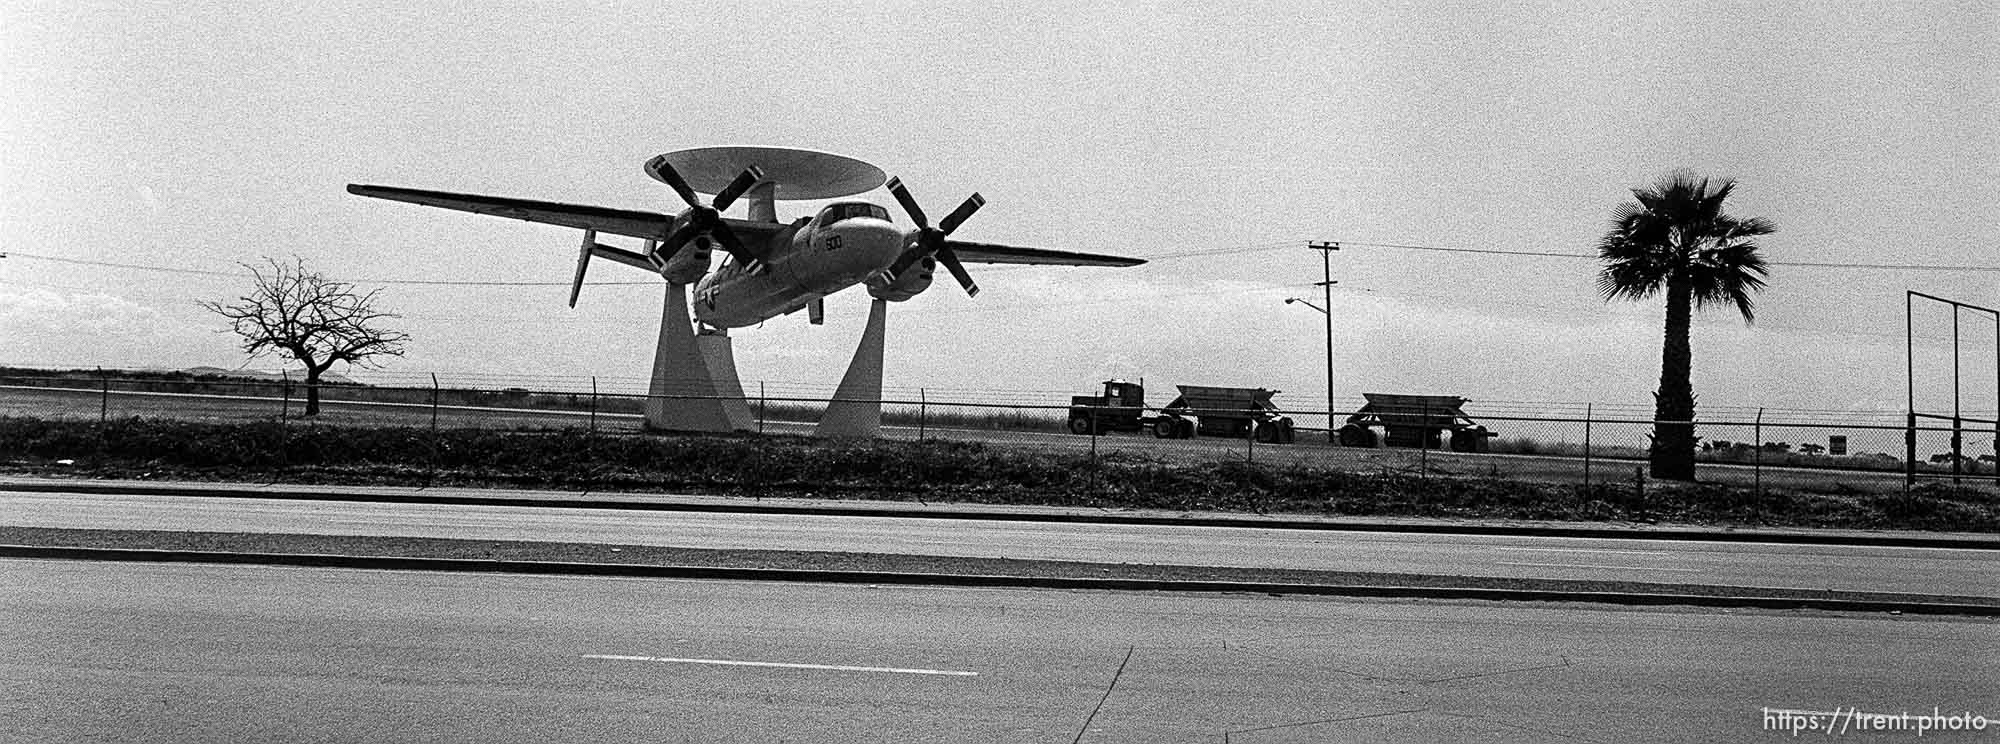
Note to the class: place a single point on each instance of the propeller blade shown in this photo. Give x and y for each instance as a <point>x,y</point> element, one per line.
<point>664,172</point>
<point>748,178</point>
<point>930,240</point>
<point>731,243</point>
<point>964,211</point>
<point>678,238</point>
<point>950,260</point>
<point>909,203</point>
<point>904,262</point>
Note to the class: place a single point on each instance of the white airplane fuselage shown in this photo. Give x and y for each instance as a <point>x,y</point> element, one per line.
<point>772,268</point>
<point>845,245</point>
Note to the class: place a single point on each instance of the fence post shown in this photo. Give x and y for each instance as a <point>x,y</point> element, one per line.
<point>1424,443</point>
<point>434,430</point>
<point>1957,448</point>
<point>284,416</point>
<point>760,406</point>
<point>103,397</point>
<point>593,405</point>
<point>1910,454</point>
<point>1250,442</point>
<point>1587,408</point>
<point>1091,412</point>
<point>923,412</point>
<point>1757,459</point>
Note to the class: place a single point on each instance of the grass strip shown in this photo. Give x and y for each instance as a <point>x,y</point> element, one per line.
<point>928,471</point>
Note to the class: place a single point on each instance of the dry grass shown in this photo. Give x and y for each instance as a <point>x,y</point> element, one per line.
<point>926,470</point>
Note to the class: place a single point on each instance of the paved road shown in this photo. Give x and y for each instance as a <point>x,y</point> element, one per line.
<point>1915,570</point>
<point>158,653</point>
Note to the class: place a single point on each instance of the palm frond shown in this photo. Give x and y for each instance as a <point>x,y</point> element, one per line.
<point>1731,269</point>
<point>1634,280</point>
<point>1675,230</point>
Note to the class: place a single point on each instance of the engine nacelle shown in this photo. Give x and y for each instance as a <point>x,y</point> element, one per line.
<point>688,264</point>
<point>913,282</point>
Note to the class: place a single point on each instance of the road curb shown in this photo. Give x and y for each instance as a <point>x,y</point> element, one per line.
<point>462,565</point>
<point>932,512</point>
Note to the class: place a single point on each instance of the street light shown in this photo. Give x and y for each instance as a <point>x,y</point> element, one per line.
<point>1331,436</point>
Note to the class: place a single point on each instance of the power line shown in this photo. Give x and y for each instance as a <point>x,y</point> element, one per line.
<point>235,275</point>
<point>1394,292</point>
<point>138,267</point>
<point>1440,249</point>
<point>1260,247</point>
<point>1253,248</point>
<point>1548,254</point>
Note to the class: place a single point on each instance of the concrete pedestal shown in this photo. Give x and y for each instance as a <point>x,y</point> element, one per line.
<point>719,355</point>
<point>682,395</point>
<point>856,408</point>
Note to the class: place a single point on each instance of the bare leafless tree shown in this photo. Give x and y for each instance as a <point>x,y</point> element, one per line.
<point>292,312</point>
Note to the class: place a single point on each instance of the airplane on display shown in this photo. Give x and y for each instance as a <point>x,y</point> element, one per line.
<point>770,268</point>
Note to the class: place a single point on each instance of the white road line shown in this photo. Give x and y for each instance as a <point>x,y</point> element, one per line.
<point>784,665</point>
<point>1588,550</point>
<point>1615,568</point>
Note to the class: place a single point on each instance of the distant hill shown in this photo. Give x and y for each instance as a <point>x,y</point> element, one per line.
<point>256,375</point>
<point>266,374</point>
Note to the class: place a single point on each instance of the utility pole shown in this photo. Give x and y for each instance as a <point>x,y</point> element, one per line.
<point>1326,249</point>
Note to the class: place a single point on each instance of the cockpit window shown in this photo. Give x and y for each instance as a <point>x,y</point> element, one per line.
<point>837,212</point>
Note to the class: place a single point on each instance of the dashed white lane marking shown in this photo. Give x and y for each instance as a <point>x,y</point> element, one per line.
<point>784,665</point>
<point>1587,550</point>
<point>1615,568</point>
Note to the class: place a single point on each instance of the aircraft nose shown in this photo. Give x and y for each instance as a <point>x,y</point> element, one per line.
<point>879,240</point>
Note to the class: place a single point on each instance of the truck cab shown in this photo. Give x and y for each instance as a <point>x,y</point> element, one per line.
<point>1204,410</point>
<point>1122,407</point>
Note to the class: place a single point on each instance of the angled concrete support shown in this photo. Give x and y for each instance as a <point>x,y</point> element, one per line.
<point>719,355</point>
<point>682,394</point>
<point>856,408</point>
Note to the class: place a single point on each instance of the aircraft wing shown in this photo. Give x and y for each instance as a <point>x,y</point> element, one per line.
<point>1006,254</point>
<point>647,225</point>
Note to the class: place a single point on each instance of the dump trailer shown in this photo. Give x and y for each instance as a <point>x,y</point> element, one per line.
<point>1414,421</point>
<point>1200,409</point>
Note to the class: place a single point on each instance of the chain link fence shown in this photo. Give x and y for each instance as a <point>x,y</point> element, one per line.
<point>1558,443</point>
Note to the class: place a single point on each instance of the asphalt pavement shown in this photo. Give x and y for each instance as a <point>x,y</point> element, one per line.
<point>157,653</point>
<point>1833,567</point>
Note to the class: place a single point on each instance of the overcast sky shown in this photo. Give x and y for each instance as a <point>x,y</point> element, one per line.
<point>1216,142</point>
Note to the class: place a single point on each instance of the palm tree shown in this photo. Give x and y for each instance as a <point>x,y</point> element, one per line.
<point>1675,240</point>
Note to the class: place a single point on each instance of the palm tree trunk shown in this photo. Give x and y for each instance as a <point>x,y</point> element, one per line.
<point>1673,412</point>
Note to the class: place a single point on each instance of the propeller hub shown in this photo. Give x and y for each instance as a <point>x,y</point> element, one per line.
<point>930,241</point>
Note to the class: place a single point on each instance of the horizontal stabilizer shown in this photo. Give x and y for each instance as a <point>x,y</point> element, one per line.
<point>593,248</point>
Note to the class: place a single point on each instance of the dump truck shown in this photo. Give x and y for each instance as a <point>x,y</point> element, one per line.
<point>1414,421</point>
<point>1200,409</point>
